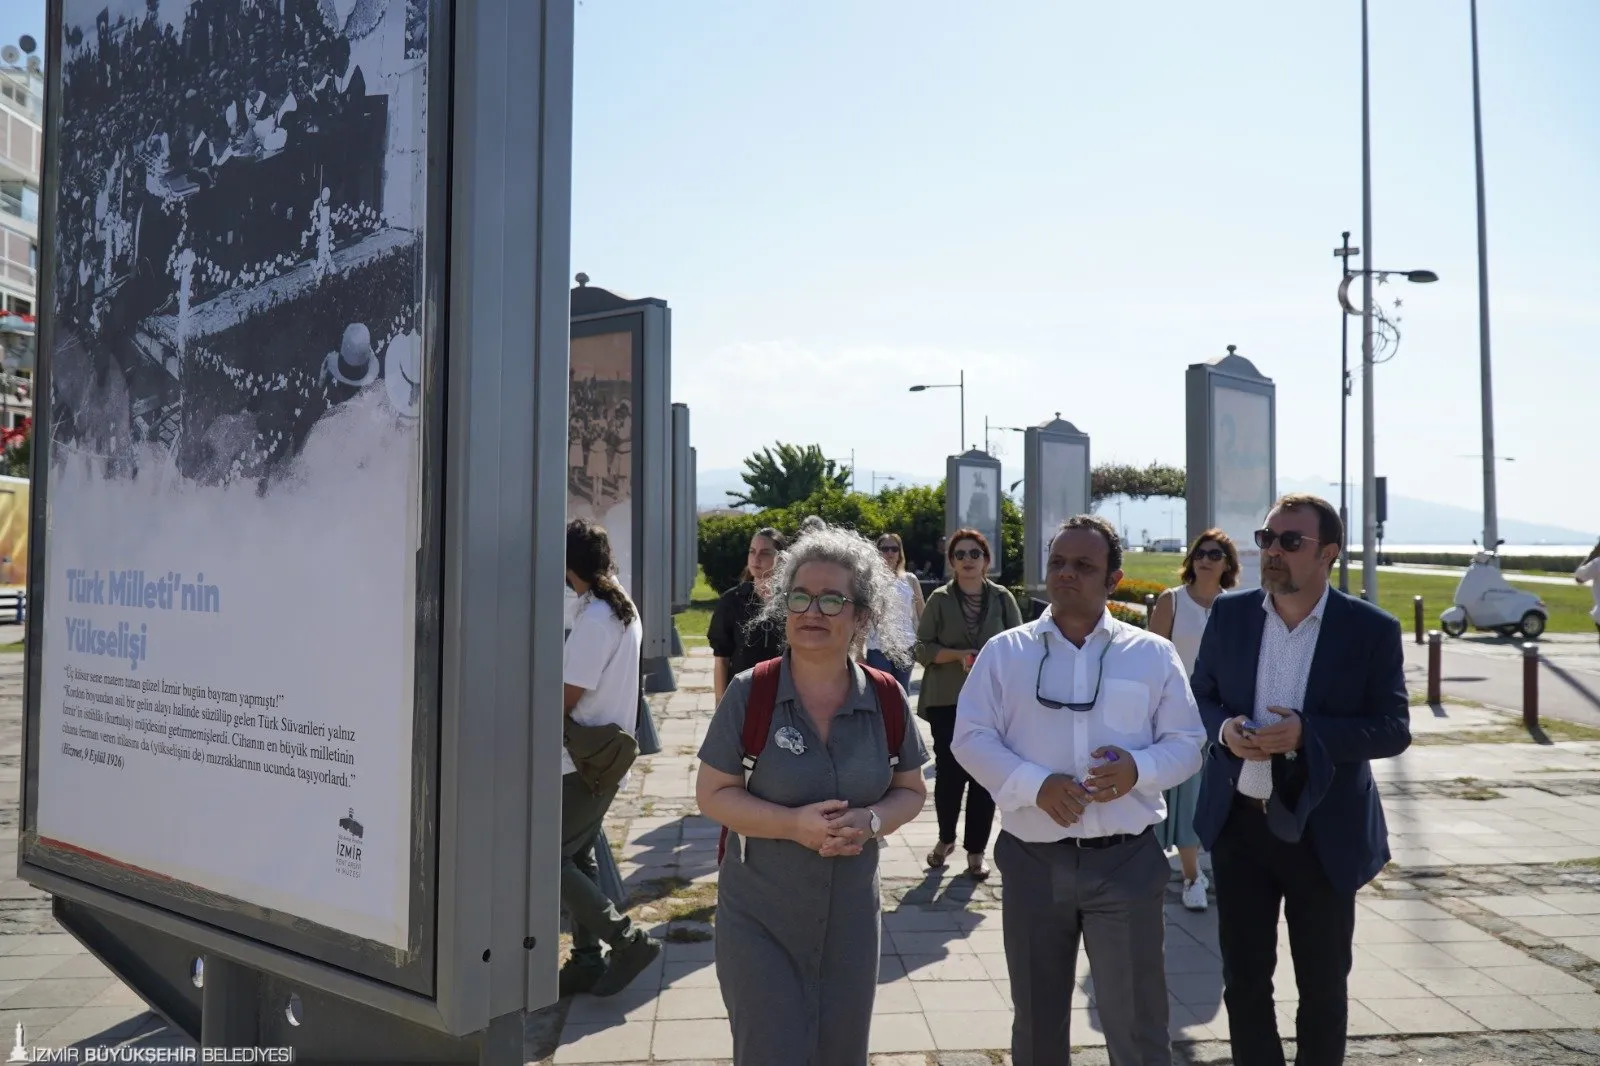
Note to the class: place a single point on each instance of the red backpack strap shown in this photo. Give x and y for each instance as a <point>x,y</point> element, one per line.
<point>892,705</point>
<point>759,705</point>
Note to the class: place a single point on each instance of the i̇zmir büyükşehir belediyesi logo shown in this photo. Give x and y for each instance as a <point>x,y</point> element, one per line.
<point>347,859</point>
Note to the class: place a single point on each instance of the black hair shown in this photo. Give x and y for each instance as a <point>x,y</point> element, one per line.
<point>1102,527</point>
<point>589,557</point>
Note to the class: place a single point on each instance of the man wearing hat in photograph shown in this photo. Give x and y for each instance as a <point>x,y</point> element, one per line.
<point>352,368</point>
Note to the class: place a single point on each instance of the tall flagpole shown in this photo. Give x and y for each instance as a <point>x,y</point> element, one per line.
<point>1491,521</point>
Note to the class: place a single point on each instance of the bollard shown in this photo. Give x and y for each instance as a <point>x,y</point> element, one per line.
<point>1149,604</point>
<point>1434,640</point>
<point>1530,685</point>
<point>1417,604</point>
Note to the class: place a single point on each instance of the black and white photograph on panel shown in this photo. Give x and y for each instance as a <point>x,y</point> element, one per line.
<point>978,503</point>
<point>600,432</point>
<point>236,388</point>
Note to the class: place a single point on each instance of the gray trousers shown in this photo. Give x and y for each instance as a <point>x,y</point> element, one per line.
<point>1112,898</point>
<point>594,916</point>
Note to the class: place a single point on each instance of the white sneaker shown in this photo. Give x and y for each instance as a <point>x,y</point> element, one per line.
<point>1194,893</point>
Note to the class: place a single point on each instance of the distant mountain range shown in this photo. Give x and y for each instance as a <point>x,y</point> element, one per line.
<point>1411,521</point>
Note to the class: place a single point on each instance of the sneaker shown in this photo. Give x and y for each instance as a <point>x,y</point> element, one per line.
<point>627,961</point>
<point>579,975</point>
<point>1194,893</point>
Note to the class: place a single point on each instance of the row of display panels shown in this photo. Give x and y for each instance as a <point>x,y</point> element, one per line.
<point>1231,471</point>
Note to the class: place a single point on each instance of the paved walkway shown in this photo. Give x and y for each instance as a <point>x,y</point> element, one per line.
<point>1486,925</point>
<point>1480,944</point>
<point>1486,668</point>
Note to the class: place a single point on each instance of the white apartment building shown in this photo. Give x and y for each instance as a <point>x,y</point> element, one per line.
<point>21,158</point>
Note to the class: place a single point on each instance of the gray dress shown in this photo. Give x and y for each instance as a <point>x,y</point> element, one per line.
<point>797,934</point>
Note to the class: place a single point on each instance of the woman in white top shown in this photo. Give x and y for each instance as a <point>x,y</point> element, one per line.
<point>600,687</point>
<point>1590,571</point>
<point>909,603</point>
<point>1180,615</point>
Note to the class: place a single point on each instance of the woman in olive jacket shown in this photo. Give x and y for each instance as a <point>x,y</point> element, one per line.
<point>958,620</point>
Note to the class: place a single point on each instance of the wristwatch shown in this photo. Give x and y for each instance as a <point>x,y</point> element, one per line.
<point>875,821</point>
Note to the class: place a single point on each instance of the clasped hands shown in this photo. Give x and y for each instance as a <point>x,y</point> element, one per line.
<point>1259,745</point>
<point>1064,799</point>
<point>832,828</point>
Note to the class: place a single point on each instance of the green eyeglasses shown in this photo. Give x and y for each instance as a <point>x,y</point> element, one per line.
<point>829,603</point>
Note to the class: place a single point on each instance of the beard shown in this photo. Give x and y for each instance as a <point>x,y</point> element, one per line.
<point>1278,582</point>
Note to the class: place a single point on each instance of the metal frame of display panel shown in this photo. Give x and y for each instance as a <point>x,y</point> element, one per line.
<point>1035,535</point>
<point>974,459</point>
<point>1201,381</point>
<point>683,531</point>
<point>694,518</point>
<point>650,323</point>
<point>486,907</point>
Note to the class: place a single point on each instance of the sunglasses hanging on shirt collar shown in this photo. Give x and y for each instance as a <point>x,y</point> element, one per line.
<point>1056,705</point>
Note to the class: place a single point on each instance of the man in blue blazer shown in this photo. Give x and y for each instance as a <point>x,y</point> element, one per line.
<point>1299,686</point>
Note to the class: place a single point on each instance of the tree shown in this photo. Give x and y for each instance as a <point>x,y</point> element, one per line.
<point>785,475</point>
<point>1120,479</point>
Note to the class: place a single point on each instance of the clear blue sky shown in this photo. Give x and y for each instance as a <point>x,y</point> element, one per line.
<point>1074,201</point>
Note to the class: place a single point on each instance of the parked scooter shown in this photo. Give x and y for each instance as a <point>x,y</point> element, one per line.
<point>1486,600</point>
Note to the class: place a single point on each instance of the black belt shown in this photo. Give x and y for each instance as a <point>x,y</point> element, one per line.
<point>1096,843</point>
<point>1249,803</point>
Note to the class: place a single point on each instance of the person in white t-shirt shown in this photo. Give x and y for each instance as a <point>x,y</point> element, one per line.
<point>1589,570</point>
<point>600,675</point>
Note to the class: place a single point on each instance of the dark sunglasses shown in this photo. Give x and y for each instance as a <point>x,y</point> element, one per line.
<point>1056,705</point>
<point>888,549</point>
<point>966,553</point>
<point>1216,555</point>
<point>829,603</point>
<point>1289,542</point>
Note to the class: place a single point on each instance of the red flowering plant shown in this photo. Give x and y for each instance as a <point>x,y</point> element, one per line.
<point>16,448</point>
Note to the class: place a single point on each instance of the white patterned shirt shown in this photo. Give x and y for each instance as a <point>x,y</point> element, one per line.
<point>1281,674</point>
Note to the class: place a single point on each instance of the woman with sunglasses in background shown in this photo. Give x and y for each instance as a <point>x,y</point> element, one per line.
<point>909,590</point>
<point>798,929</point>
<point>957,621</point>
<point>1180,615</point>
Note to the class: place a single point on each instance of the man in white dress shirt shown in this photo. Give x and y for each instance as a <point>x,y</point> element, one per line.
<point>1076,724</point>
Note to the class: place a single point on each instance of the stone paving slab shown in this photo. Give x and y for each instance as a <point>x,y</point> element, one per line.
<point>1481,942</point>
<point>1429,962</point>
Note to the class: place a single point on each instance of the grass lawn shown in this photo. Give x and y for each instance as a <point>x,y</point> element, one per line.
<point>1569,603</point>
<point>692,623</point>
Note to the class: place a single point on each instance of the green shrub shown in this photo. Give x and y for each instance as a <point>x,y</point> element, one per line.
<point>915,512</point>
<point>724,546</point>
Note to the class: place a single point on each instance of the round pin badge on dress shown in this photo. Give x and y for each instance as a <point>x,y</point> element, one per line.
<point>789,739</point>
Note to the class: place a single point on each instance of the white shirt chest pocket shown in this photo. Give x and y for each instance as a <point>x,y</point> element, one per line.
<point>1125,706</point>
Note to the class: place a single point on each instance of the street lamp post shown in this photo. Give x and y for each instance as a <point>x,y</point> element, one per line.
<point>1369,483</point>
<point>1491,521</point>
<point>988,430</point>
<point>876,477</point>
<point>960,384</point>
<point>1344,253</point>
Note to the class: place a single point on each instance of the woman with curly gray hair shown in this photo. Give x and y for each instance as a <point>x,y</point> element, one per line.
<point>798,931</point>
